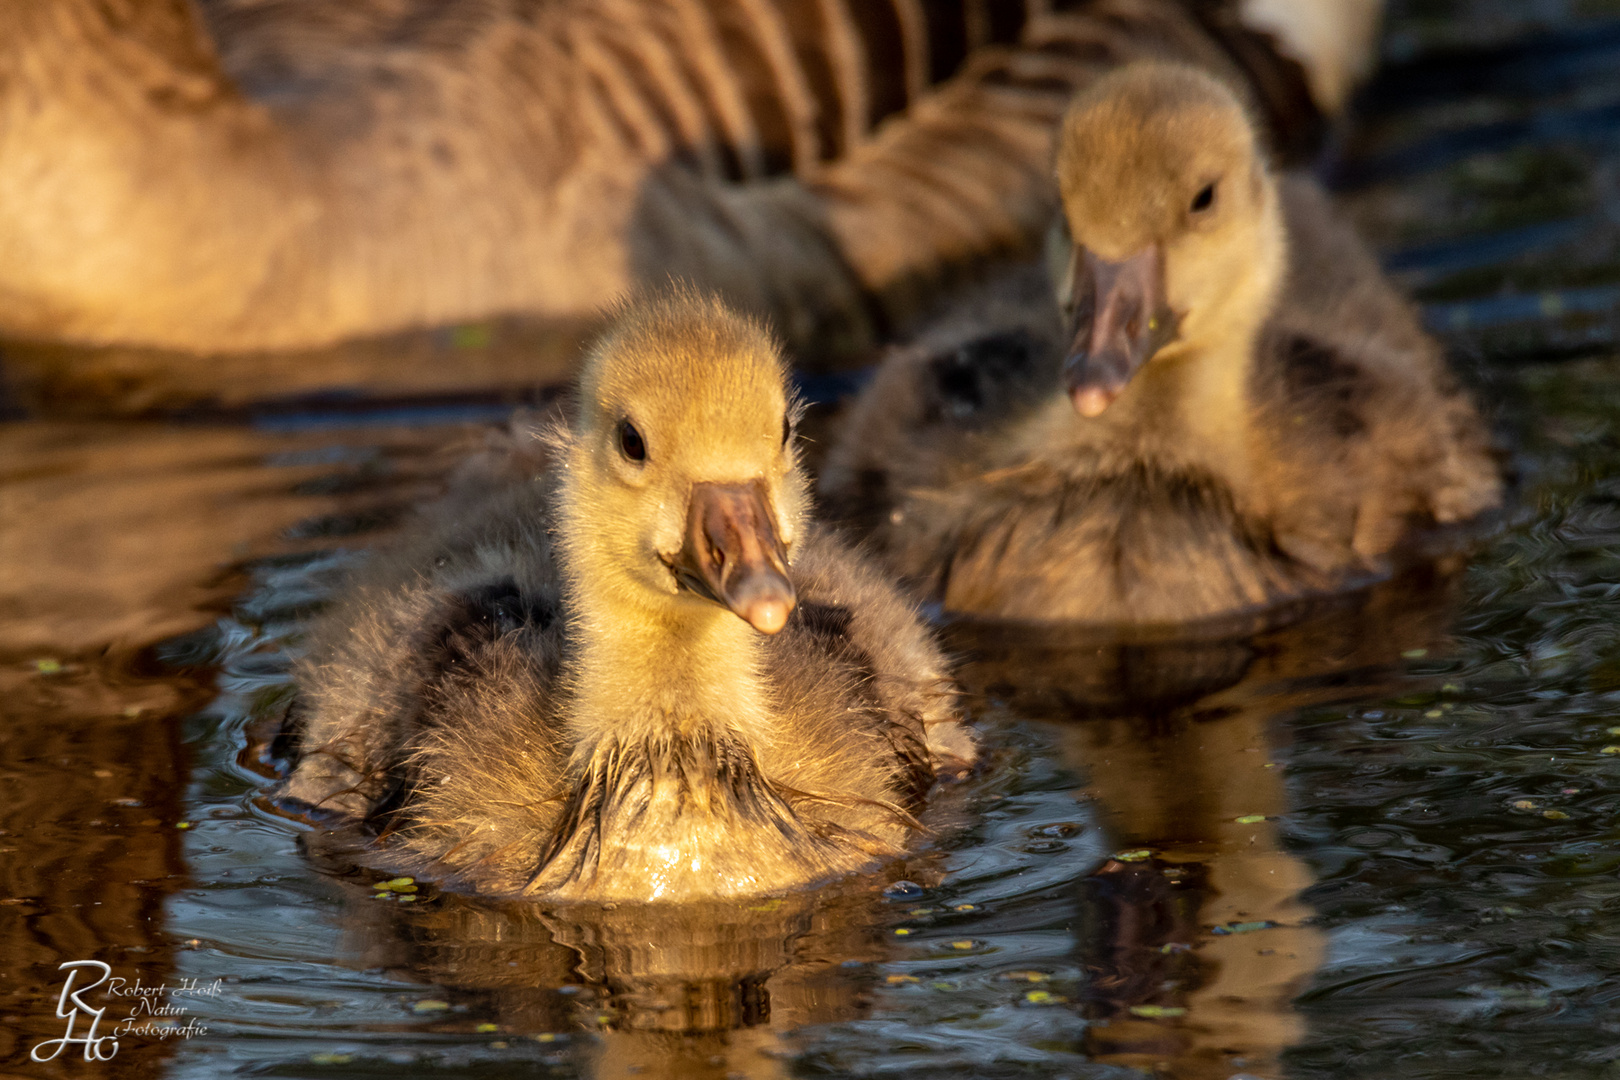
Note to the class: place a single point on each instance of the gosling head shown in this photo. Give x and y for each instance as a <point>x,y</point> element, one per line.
<point>1174,226</point>
<point>683,489</point>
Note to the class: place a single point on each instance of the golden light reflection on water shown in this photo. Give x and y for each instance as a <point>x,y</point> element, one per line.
<point>1195,936</point>
<point>112,538</point>
<point>120,535</point>
<point>680,991</point>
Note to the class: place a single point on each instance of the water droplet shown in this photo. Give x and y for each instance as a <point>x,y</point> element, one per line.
<point>903,890</point>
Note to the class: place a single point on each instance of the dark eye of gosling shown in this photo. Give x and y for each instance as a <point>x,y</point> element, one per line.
<point>1204,199</point>
<point>630,442</point>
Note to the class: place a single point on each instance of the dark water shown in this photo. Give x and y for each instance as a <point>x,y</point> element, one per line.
<point>1377,841</point>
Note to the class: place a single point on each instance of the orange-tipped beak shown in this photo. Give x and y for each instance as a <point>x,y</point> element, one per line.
<point>733,555</point>
<point>1120,320</point>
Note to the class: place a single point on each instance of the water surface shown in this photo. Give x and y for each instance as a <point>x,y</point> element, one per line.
<point>1374,840</point>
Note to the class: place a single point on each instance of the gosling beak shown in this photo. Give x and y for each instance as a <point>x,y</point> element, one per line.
<point>733,555</point>
<point>1120,320</point>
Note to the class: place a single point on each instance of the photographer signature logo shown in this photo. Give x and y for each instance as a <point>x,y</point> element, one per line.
<point>101,1048</point>
<point>84,1019</point>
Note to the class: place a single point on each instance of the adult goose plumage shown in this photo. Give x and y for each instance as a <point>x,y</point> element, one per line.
<point>234,175</point>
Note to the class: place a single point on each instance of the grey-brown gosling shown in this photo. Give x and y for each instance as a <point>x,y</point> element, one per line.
<point>1247,412</point>
<point>643,674</point>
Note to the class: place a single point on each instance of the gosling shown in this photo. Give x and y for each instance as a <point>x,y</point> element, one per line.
<point>1245,412</point>
<point>639,671</point>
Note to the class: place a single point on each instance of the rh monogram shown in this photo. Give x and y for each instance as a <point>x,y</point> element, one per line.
<point>95,1049</point>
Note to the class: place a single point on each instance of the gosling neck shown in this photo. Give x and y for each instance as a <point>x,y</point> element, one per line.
<point>666,795</point>
<point>652,666</point>
<point>1216,356</point>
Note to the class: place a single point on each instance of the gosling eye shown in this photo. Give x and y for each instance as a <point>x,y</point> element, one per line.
<point>1204,199</point>
<point>631,445</point>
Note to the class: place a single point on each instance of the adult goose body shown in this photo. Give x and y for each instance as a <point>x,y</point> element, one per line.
<point>237,176</point>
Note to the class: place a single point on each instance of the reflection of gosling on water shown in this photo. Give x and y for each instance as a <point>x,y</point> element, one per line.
<point>643,673</point>
<point>1248,411</point>
<point>226,175</point>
